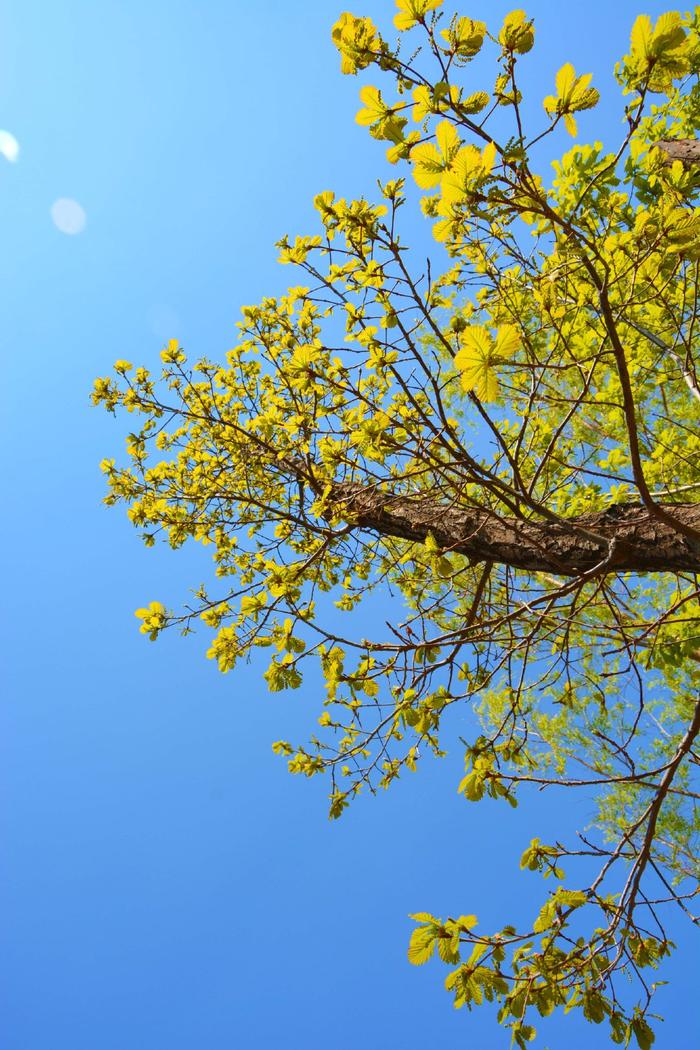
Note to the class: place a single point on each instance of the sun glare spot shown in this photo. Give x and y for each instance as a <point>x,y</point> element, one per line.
<point>68,216</point>
<point>9,146</point>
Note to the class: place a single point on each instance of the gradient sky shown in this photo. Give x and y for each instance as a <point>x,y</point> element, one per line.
<point>164,883</point>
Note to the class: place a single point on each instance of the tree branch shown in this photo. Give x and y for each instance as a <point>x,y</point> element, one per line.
<point>685,150</point>
<point>624,538</point>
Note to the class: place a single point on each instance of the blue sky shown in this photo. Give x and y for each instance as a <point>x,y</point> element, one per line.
<point>165,883</point>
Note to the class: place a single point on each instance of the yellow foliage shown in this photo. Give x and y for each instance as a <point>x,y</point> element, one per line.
<point>413,11</point>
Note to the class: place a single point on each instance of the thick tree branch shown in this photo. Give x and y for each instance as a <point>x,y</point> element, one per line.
<point>685,150</point>
<point>621,539</point>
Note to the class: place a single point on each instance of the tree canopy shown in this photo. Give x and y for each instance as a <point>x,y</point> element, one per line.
<point>473,480</point>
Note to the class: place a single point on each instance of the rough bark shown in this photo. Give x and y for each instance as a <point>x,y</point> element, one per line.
<point>685,150</point>
<point>621,539</point>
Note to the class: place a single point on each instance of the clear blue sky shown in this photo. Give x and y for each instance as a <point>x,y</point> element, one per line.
<point>164,883</point>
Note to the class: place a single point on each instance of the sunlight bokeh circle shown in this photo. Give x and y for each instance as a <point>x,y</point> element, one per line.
<point>9,146</point>
<point>68,216</point>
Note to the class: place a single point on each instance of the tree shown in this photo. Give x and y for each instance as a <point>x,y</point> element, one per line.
<point>501,444</point>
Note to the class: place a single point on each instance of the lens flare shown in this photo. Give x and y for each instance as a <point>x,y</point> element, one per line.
<point>68,216</point>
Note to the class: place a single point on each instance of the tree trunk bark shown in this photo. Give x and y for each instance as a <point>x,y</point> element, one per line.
<point>685,150</point>
<point>621,539</point>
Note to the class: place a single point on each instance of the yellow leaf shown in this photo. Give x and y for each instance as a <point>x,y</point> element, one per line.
<point>172,353</point>
<point>427,165</point>
<point>573,94</point>
<point>479,354</point>
<point>303,357</point>
<point>668,33</point>
<point>640,38</point>
<point>564,80</point>
<point>357,41</point>
<point>570,125</point>
<point>422,944</point>
<point>474,103</point>
<point>429,162</point>
<point>412,11</point>
<point>475,340</point>
<point>423,100</point>
<point>467,171</point>
<point>402,149</point>
<point>658,53</point>
<point>465,37</point>
<point>429,101</point>
<point>443,229</point>
<point>488,157</point>
<point>447,140</point>
<point>581,86</point>
<point>507,341</point>
<point>457,182</point>
<point>374,108</point>
<point>517,33</point>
